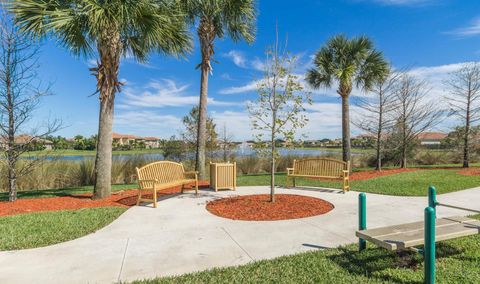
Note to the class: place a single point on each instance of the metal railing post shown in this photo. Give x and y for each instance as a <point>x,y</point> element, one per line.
<point>429,246</point>
<point>362,219</point>
<point>432,197</point>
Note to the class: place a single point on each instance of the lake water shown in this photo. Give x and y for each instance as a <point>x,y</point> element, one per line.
<point>239,152</point>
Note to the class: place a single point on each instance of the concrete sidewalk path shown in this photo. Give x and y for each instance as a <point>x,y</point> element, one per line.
<point>180,236</point>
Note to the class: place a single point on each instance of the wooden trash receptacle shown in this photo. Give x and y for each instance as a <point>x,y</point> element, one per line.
<point>223,176</point>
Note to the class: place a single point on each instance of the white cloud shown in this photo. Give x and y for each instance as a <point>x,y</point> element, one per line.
<point>435,77</point>
<point>252,86</point>
<point>324,114</point>
<point>237,123</point>
<point>147,123</point>
<point>91,63</point>
<point>226,76</point>
<point>403,2</point>
<point>163,93</point>
<point>471,30</point>
<point>249,87</point>
<point>258,64</point>
<point>237,57</point>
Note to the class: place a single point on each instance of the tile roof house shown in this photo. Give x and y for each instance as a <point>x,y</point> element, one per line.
<point>431,138</point>
<point>23,139</point>
<point>128,139</point>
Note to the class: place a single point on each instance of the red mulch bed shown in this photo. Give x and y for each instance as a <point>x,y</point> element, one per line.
<point>470,171</point>
<point>124,198</point>
<point>373,174</point>
<point>259,208</point>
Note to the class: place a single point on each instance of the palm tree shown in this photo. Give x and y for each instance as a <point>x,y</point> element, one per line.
<point>348,63</point>
<point>110,30</point>
<point>236,18</point>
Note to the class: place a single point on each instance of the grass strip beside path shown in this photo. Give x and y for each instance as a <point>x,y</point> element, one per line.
<point>46,228</point>
<point>401,184</point>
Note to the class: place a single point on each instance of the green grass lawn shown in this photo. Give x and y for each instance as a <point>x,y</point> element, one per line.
<point>46,228</point>
<point>457,262</point>
<point>402,184</point>
<point>62,191</point>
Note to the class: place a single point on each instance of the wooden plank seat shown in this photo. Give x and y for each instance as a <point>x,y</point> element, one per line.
<point>324,168</point>
<point>408,235</point>
<point>162,175</point>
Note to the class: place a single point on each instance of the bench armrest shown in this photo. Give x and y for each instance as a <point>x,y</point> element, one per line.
<point>192,174</point>
<point>346,173</point>
<point>289,171</point>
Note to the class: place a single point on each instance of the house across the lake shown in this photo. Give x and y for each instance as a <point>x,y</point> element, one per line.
<point>128,139</point>
<point>431,138</point>
<point>24,139</point>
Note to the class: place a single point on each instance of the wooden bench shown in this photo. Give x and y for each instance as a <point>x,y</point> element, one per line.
<point>412,234</point>
<point>161,175</point>
<point>320,168</point>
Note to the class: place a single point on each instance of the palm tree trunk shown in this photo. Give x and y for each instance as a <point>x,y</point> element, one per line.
<point>103,159</point>
<point>107,83</point>
<point>206,35</point>
<point>346,148</point>
<point>202,124</point>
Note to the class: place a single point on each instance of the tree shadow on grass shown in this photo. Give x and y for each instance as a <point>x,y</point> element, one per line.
<point>41,193</point>
<point>314,189</point>
<point>378,262</point>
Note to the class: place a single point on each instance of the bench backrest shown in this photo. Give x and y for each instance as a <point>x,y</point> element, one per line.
<point>163,171</point>
<point>320,167</point>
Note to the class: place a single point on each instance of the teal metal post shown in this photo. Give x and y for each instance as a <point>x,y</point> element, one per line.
<point>362,219</point>
<point>432,197</point>
<point>429,245</point>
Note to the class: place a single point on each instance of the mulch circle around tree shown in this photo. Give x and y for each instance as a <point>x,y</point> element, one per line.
<point>124,198</point>
<point>259,208</point>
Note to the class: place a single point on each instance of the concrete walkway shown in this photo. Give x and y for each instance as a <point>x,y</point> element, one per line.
<point>180,236</point>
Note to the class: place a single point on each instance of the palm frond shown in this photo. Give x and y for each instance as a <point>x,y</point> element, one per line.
<point>237,18</point>
<point>347,61</point>
<point>141,26</point>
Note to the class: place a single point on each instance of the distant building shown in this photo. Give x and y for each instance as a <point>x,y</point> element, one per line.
<point>151,142</point>
<point>23,139</point>
<point>128,139</point>
<point>431,138</point>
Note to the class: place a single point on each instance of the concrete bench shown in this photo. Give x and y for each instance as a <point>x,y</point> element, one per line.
<point>412,234</point>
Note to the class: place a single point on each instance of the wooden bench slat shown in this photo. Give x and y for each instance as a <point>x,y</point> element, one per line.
<point>166,174</point>
<point>320,168</point>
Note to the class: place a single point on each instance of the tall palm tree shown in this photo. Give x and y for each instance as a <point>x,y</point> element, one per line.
<point>110,30</point>
<point>236,18</point>
<point>348,63</point>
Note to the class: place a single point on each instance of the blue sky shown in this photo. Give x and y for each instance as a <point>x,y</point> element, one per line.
<point>431,37</point>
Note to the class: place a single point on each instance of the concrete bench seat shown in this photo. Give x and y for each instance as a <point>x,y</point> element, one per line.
<point>408,235</point>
